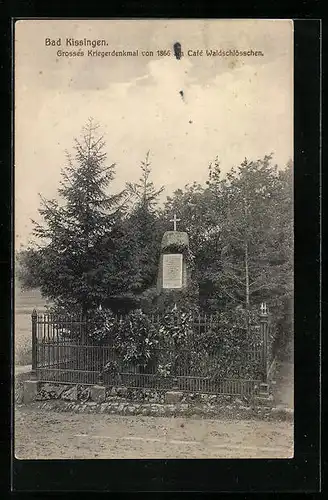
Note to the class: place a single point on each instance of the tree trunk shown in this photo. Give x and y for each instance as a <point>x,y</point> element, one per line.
<point>246,276</point>
<point>246,261</point>
<point>247,286</point>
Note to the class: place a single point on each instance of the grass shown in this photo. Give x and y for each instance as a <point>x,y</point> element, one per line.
<point>25,302</point>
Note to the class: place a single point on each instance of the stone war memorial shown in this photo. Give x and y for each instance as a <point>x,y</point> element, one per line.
<point>175,283</point>
<point>153,270</point>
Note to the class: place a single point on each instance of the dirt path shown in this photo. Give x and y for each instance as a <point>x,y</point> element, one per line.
<point>284,389</point>
<point>41,434</point>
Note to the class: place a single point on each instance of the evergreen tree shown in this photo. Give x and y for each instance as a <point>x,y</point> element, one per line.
<point>143,222</point>
<point>83,258</point>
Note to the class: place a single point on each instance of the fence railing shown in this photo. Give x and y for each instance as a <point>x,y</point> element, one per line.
<point>62,352</point>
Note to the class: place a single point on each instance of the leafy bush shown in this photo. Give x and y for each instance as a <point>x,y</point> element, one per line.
<point>102,326</point>
<point>134,336</point>
<point>176,325</point>
<point>239,334</point>
<point>137,338</point>
<point>177,343</point>
<point>218,351</point>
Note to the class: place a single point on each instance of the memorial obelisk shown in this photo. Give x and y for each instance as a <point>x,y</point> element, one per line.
<point>174,274</point>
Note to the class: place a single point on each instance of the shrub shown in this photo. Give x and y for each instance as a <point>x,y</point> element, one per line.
<point>219,351</point>
<point>137,338</point>
<point>221,348</point>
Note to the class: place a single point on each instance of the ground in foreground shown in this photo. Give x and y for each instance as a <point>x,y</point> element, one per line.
<point>42,434</point>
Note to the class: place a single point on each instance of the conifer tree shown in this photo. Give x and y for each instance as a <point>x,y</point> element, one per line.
<point>83,258</point>
<point>144,226</point>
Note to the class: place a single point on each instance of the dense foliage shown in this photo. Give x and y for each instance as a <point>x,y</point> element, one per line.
<point>99,247</point>
<point>178,342</point>
<point>84,253</point>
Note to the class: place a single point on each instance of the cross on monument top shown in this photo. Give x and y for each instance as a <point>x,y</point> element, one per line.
<point>175,220</point>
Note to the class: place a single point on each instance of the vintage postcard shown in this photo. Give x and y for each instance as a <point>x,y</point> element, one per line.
<point>153,239</point>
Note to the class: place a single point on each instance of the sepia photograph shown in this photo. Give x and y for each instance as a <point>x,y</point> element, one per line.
<point>153,239</point>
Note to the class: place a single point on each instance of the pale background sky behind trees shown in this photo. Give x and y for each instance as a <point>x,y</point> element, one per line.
<point>237,106</point>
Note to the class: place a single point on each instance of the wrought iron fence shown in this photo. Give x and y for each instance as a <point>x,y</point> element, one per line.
<point>63,352</point>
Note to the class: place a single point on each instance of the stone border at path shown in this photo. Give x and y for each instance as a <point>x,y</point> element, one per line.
<point>123,401</point>
<point>232,412</point>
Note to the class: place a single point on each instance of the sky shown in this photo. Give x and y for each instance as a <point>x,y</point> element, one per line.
<point>232,106</point>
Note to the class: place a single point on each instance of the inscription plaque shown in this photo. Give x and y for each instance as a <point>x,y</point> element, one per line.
<point>172,270</point>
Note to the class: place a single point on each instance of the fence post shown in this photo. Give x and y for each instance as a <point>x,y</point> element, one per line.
<point>34,341</point>
<point>264,334</point>
<point>100,380</point>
